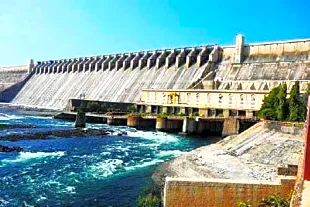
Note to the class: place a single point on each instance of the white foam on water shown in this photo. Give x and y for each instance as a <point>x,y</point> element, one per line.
<point>148,144</point>
<point>122,148</point>
<point>41,198</point>
<point>165,153</point>
<point>52,182</point>
<point>105,168</point>
<point>143,164</point>
<point>5,117</point>
<point>24,156</point>
<point>70,190</point>
<point>26,204</point>
<point>4,202</point>
<point>105,153</point>
<point>159,137</point>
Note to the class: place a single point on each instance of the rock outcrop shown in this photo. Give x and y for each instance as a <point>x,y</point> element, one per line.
<point>10,149</point>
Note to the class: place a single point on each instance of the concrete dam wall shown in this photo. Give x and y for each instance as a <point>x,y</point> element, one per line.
<point>264,65</point>
<point>11,75</point>
<point>116,78</point>
<point>121,77</point>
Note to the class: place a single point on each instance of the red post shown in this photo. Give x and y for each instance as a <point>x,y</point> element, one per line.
<point>307,144</point>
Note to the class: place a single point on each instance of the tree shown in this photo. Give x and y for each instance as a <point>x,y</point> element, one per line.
<point>282,107</point>
<point>296,111</point>
<point>270,104</point>
<point>305,100</point>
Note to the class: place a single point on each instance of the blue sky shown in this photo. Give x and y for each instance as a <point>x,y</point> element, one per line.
<point>56,29</point>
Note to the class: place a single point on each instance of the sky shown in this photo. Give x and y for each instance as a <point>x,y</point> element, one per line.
<point>58,29</point>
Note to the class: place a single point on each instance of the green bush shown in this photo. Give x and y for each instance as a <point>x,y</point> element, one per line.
<point>133,109</point>
<point>162,115</point>
<point>275,201</point>
<point>242,204</point>
<point>181,114</point>
<point>270,201</point>
<point>276,106</point>
<point>93,106</point>
<point>148,201</point>
<point>296,104</point>
<point>150,197</point>
<point>195,114</point>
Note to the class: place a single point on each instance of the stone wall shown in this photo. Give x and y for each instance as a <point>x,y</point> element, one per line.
<point>181,192</point>
<point>286,127</point>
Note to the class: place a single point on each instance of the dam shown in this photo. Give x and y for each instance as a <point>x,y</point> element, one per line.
<point>209,77</point>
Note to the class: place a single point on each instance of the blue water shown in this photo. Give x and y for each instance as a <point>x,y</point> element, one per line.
<point>82,171</point>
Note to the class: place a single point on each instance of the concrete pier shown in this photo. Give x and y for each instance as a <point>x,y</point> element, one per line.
<point>231,127</point>
<point>80,121</point>
<point>161,124</point>
<point>189,126</point>
<point>169,124</point>
<point>141,123</point>
<point>116,121</point>
<point>185,125</point>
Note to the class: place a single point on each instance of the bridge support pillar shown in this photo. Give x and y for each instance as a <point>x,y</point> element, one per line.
<point>161,124</point>
<point>80,121</point>
<point>189,126</point>
<point>203,112</point>
<point>116,121</point>
<point>226,113</point>
<point>169,125</point>
<point>249,114</point>
<point>231,127</point>
<point>133,121</point>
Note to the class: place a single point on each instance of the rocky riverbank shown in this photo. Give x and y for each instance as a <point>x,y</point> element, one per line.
<point>28,110</point>
<point>14,126</point>
<point>253,155</point>
<point>56,133</point>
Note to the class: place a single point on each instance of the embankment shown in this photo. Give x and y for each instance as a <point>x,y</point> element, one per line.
<point>253,155</point>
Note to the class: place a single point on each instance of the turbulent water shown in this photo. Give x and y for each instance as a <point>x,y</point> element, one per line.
<point>82,171</point>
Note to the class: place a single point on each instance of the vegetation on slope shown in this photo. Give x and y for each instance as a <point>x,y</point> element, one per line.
<point>276,105</point>
<point>270,201</point>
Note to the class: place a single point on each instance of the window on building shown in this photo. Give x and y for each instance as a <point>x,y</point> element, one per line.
<point>197,98</point>
<point>147,97</point>
<point>253,99</point>
<point>188,98</point>
<point>208,98</point>
<point>230,97</point>
<point>163,101</point>
<point>241,99</point>
<point>220,98</point>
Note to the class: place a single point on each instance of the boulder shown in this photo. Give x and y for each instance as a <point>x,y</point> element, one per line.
<point>10,149</point>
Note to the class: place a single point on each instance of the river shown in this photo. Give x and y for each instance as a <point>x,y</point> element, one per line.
<point>82,171</point>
